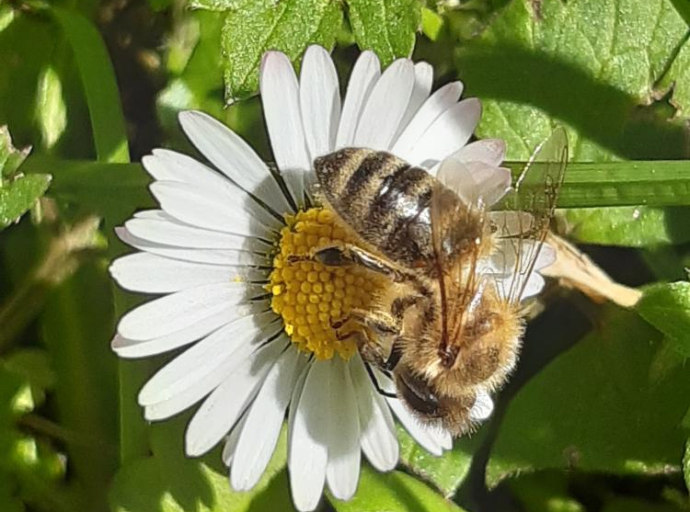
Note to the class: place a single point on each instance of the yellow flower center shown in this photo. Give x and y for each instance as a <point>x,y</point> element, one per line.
<point>310,296</point>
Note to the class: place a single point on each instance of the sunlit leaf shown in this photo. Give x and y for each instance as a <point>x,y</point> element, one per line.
<point>388,27</point>
<point>394,491</point>
<point>446,472</point>
<point>169,482</point>
<point>51,111</point>
<point>252,28</point>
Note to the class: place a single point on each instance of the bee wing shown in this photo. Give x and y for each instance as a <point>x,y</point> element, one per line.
<point>459,223</point>
<point>521,229</point>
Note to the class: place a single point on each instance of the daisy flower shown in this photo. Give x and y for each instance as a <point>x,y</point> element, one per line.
<point>254,328</point>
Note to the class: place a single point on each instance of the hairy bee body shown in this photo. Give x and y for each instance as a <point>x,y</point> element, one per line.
<point>447,325</point>
<point>386,201</point>
<point>387,204</point>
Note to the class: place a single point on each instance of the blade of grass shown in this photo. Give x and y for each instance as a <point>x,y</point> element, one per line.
<point>634,183</point>
<point>100,85</point>
<point>110,140</point>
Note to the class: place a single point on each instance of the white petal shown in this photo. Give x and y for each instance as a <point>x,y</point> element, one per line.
<point>319,95</point>
<point>515,256</point>
<point>215,356</point>
<point>234,157</point>
<point>386,106</point>
<point>448,133</point>
<point>308,453</point>
<point>365,74</point>
<point>280,98</point>
<point>423,79</point>
<point>215,211</point>
<point>225,404</point>
<point>167,165</point>
<point>483,406</point>
<point>511,223</point>
<point>230,445</point>
<point>148,273</point>
<point>173,232</point>
<point>143,348</point>
<point>344,455</point>
<point>489,151</point>
<point>535,284</point>
<point>378,437</point>
<point>492,182</point>
<point>180,310</point>
<point>264,420</point>
<point>443,99</point>
<point>241,260</point>
<point>432,440</point>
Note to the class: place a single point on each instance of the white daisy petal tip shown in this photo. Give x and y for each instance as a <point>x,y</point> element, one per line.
<point>273,58</point>
<point>483,406</point>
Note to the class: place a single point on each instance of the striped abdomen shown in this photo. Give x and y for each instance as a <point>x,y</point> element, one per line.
<point>384,199</point>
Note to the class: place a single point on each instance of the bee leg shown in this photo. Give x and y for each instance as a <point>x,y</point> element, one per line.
<point>349,254</point>
<point>381,323</point>
<point>395,354</point>
<point>376,384</point>
<point>368,349</point>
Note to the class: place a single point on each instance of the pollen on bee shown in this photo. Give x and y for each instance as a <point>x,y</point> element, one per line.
<point>310,296</point>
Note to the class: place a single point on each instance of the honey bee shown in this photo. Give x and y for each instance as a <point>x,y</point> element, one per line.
<point>447,326</point>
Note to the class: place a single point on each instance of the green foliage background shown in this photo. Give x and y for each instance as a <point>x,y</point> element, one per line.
<point>595,418</point>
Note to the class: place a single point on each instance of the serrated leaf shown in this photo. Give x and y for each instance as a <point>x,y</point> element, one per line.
<point>667,307</point>
<point>601,406</point>
<point>446,472</point>
<point>10,157</point>
<point>595,66</point>
<point>388,27</point>
<point>394,491</point>
<point>288,26</point>
<point>19,195</point>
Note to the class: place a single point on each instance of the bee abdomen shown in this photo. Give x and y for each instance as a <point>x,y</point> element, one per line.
<point>383,198</point>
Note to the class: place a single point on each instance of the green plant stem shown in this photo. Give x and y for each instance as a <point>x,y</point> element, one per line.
<point>630,183</point>
<point>634,183</point>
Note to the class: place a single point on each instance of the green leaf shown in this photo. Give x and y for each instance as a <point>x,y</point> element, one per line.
<point>446,472</point>
<point>595,66</point>
<point>631,226</point>
<point>169,482</point>
<point>19,195</point>
<point>51,111</point>
<point>545,491</point>
<point>35,367</point>
<point>388,27</point>
<point>605,405</point>
<point>255,27</point>
<point>667,307</point>
<point>394,491</point>
<point>10,157</point>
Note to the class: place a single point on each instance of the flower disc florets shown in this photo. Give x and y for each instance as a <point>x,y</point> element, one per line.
<point>310,296</point>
